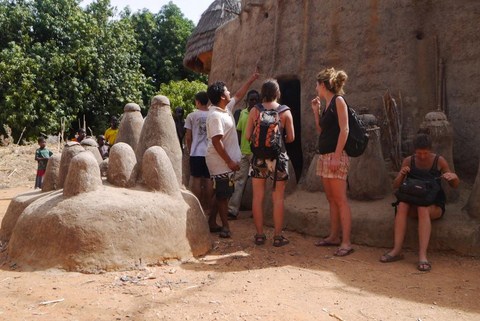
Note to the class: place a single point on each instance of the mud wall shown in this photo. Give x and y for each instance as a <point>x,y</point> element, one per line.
<point>382,45</point>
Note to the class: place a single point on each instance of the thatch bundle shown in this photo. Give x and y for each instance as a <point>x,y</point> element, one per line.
<point>198,56</point>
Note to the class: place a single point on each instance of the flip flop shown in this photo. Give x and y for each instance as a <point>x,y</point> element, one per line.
<point>387,258</point>
<point>343,252</point>
<point>424,266</point>
<point>324,242</point>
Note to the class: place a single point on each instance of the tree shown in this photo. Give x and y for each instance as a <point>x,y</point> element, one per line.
<point>162,39</point>
<point>61,62</point>
<point>58,60</point>
<point>182,93</point>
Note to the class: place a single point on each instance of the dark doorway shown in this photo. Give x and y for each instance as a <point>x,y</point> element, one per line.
<point>290,89</point>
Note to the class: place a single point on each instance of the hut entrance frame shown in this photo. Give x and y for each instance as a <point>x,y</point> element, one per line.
<point>290,87</point>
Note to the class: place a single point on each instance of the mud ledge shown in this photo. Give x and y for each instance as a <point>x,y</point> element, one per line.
<point>372,222</point>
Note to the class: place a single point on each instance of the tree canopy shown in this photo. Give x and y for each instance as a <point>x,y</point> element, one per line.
<point>182,93</point>
<point>60,61</point>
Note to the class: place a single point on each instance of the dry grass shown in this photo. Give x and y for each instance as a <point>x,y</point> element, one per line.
<point>18,166</point>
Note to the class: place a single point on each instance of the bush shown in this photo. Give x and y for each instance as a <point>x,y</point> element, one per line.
<point>182,93</point>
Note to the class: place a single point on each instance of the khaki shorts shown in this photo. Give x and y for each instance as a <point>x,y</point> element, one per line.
<point>323,166</point>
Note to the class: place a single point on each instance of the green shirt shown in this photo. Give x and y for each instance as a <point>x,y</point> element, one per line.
<point>42,155</point>
<point>241,126</point>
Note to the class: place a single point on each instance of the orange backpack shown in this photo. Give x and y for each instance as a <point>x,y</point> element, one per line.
<point>267,138</point>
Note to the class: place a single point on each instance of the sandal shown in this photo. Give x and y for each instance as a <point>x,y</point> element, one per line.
<point>225,233</point>
<point>260,239</point>
<point>343,252</point>
<point>387,258</point>
<point>324,242</point>
<point>280,240</point>
<point>424,266</point>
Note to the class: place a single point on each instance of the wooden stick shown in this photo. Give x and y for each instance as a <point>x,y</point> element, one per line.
<point>14,171</point>
<point>18,142</point>
<point>438,80</point>
<point>440,87</point>
<point>444,88</point>
<point>52,301</point>
<point>62,132</point>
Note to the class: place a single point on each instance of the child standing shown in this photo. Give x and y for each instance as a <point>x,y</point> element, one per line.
<point>42,155</point>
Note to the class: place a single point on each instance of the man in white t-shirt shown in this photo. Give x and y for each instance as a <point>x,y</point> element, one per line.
<point>196,143</point>
<point>223,151</point>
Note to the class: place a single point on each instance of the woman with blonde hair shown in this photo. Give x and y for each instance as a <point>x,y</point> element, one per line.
<point>333,163</point>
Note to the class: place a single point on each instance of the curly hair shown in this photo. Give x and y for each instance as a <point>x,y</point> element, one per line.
<point>334,80</point>
<point>215,91</point>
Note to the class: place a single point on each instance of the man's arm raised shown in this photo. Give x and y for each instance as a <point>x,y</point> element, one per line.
<point>243,90</point>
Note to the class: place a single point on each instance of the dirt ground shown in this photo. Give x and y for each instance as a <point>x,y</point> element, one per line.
<point>238,280</point>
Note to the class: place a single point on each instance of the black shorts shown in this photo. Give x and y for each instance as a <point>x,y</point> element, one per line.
<point>223,185</point>
<point>198,167</point>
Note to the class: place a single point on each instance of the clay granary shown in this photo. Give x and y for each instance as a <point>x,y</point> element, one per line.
<point>139,215</point>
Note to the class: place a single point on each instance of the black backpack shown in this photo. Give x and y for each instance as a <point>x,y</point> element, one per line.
<point>357,140</point>
<point>267,137</point>
<point>420,191</point>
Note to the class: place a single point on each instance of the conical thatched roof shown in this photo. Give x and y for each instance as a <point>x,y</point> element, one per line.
<point>198,55</point>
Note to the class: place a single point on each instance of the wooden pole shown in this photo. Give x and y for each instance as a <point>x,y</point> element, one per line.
<point>21,135</point>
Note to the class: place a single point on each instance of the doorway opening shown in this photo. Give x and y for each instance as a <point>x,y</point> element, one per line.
<point>290,89</point>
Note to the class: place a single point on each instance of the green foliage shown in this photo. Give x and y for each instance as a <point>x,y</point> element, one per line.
<point>59,61</point>
<point>182,93</point>
<point>162,39</point>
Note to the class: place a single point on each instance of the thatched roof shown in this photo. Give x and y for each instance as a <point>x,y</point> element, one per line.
<point>200,44</point>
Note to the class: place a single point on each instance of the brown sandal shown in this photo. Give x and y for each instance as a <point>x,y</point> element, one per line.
<point>260,239</point>
<point>424,266</point>
<point>343,251</point>
<point>280,240</point>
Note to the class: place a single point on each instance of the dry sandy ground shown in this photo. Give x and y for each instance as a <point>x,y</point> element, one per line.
<point>241,281</point>
<point>238,280</point>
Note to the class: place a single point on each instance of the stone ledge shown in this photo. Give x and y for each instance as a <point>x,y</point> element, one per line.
<point>372,223</point>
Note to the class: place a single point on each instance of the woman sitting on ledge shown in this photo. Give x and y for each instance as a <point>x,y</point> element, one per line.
<point>423,165</point>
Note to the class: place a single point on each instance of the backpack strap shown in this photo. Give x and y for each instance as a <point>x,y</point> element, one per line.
<point>435,163</point>
<point>282,108</point>
<point>260,107</point>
